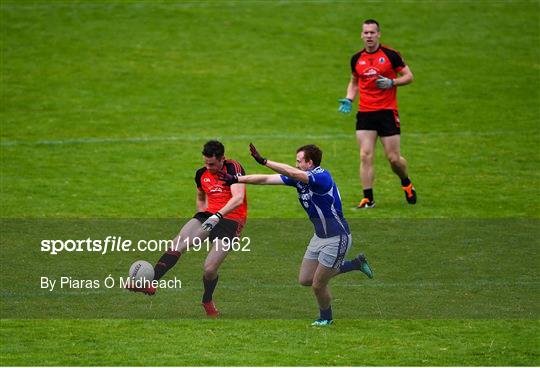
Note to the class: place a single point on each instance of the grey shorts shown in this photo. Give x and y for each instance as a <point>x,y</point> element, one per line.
<point>330,252</point>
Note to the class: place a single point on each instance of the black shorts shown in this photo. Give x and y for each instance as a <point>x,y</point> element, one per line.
<point>224,229</point>
<point>385,122</point>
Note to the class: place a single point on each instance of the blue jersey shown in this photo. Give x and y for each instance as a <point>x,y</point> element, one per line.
<point>321,201</point>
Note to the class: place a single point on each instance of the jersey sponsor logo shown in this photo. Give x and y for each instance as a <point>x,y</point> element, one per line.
<point>362,62</point>
<point>215,189</point>
<point>382,60</point>
<point>371,72</point>
<point>305,198</point>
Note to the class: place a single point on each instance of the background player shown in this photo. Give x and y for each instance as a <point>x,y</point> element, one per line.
<point>222,212</point>
<point>319,196</point>
<point>376,72</point>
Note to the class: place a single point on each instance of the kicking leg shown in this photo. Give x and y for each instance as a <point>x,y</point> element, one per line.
<point>190,231</point>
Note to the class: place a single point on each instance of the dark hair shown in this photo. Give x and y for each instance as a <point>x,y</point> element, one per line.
<point>373,21</point>
<point>213,149</point>
<point>311,152</point>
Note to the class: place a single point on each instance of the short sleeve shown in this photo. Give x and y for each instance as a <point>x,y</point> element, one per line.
<point>288,181</point>
<point>198,176</point>
<point>234,168</point>
<point>354,60</point>
<point>319,181</point>
<point>395,58</point>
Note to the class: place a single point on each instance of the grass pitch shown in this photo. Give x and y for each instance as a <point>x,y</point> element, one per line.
<point>105,107</point>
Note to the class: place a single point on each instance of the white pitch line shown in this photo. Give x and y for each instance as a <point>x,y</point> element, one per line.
<point>191,138</point>
<point>247,138</point>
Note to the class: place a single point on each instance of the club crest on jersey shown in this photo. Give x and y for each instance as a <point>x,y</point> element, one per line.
<point>382,60</point>
<point>362,62</point>
<point>206,180</point>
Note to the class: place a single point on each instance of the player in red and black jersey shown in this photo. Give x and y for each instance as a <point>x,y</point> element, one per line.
<point>377,71</point>
<point>222,213</point>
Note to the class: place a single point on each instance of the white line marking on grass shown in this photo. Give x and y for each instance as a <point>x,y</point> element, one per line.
<point>416,285</point>
<point>247,138</point>
<point>382,284</point>
<point>192,138</point>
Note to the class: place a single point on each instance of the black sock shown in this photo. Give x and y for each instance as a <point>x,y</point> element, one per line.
<point>368,193</point>
<point>405,182</point>
<point>326,313</point>
<point>165,263</point>
<point>209,287</point>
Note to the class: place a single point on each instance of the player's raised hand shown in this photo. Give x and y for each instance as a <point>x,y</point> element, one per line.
<point>256,155</point>
<point>384,83</point>
<point>345,105</point>
<point>227,178</point>
<point>211,222</point>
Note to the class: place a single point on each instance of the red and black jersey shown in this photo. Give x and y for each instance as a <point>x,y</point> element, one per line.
<point>217,193</point>
<point>367,66</point>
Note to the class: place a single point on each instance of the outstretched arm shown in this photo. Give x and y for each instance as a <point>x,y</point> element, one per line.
<point>274,179</point>
<point>287,170</point>
<point>249,179</point>
<point>283,169</point>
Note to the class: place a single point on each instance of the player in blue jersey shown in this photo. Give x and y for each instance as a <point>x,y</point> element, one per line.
<point>319,196</point>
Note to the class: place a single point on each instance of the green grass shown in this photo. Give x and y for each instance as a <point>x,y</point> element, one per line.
<point>104,109</point>
<point>196,342</point>
<point>445,269</point>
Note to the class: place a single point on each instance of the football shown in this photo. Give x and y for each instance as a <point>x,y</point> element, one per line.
<point>141,270</point>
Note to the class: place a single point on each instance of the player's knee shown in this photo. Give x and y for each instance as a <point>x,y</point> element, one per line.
<point>210,275</point>
<point>366,156</point>
<point>178,244</point>
<point>318,286</point>
<point>305,281</point>
<point>210,270</point>
<point>394,159</point>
